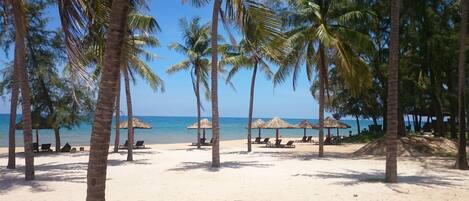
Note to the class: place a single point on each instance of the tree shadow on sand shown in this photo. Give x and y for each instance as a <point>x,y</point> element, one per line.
<point>377,176</point>
<point>207,165</point>
<point>53,172</point>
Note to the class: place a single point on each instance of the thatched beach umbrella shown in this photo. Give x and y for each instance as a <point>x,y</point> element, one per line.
<point>277,123</point>
<point>204,124</point>
<point>332,123</point>
<point>37,124</point>
<point>305,124</point>
<point>259,124</point>
<point>136,123</point>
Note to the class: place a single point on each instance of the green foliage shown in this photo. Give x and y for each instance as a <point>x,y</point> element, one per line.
<point>364,137</point>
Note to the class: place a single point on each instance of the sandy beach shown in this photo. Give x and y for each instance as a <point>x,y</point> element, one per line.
<point>180,172</point>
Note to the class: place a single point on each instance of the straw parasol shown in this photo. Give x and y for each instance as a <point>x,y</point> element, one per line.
<point>259,124</point>
<point>204,124</point>
<point>277,123</point>
<point>136,123</point>
<point>332,123</point>
<point>305,124</point>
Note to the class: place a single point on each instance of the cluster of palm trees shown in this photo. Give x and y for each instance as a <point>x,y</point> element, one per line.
<point>313,32</point>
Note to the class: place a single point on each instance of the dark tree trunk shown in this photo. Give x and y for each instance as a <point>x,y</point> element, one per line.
<point>57,139</point>
<point>12,125</point>
<point>130,117</point>
<point>454,134</point>
<point>358,124</point>
<point>118,115</point>
<point>101,131</point>
<point>20,55</point>
<point>214,85</point>
<point>393,97</point>
<point>461,160</point>
<point>322,80</point>
<point>197,95</point>
<point>251,105</point>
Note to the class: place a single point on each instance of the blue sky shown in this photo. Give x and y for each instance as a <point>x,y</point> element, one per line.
<point>179,100</point>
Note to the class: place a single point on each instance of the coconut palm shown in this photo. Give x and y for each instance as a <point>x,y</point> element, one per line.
<point>461,160</point>
<point>261,43</point>
<point>393,98</point>
<point>139,28</point>
<point>320,31</point>
<point>234,11</point>
<point>196,47</point>
<point>96,177</point>
<point>20,72</point>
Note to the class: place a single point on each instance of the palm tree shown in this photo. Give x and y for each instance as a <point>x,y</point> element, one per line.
<point>461,160</point>
<point>101,131</point>
<point>12,125</point>
<point>139,28</point>
<point>117,112</point>
<point>393,97</point>
<point>262,40</point>
<point>320,31</point>
<point>197,48</point>
<point>20,68</point>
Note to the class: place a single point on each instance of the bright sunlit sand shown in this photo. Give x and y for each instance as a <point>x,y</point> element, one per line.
<point>181,172</point>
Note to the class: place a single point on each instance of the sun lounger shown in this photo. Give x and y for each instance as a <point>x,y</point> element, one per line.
<point>45,147</point>
<point>303,140</point>
<point>309,139</point>
<point>125,145</point>
<point>257,141</point>
<point>66,148</point>
<point>35,147</point>
<point>140,145</point>
<point>266,141</point>
<point>288,145</point>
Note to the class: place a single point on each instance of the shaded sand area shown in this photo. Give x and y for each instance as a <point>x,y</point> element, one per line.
<point>180,172</point>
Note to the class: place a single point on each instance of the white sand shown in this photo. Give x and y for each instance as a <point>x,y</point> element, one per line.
<point>179,172</point>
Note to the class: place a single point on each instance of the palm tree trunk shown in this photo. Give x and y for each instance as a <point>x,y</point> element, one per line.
<point>393,97</point>
<point>118,115</point>
<point>214,85</point>
<point>251,105</point>
<point>57,139</point>
<point>322,77</point>
<point>101,131</point>
<point>20,54</point>
<point>130,126</point>
<point>358,124</point>
<point>197,95</point>
<point>461,161</point>
<point>12,126</point>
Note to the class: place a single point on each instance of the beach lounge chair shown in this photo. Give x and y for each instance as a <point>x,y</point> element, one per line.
<point>328,141</point>
<point>140,145</point>
<point>278,142</point>
<point>309,139</point>
<point>208,144</point>
<point>125,145</point>
<point>66,148</point>
<point>202,142</point>
<point>257,141</point>
<point>45,147</point>
<point>288,145</point>
<point>35,147</point>
<point>303,140</point>
<point>266,141</point>
<point>276,145</point>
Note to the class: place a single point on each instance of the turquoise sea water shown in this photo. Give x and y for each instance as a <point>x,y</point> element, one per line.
<point>168,130</point>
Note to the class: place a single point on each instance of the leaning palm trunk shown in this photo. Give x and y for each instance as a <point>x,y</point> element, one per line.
<point>20,54</point>
<point>214,85</point>
<point>251,105</point>
<point>57,139</point>
<point>322,80</point>
<point>393,97</point>
<point>461,161</point>
<point>101,131</point>
<point>130,117</point>
<point>12,125</point>
<point>197,94</point>
<point>118,99</point>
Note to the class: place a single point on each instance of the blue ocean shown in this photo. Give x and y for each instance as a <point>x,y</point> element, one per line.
<point>169,130</point>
